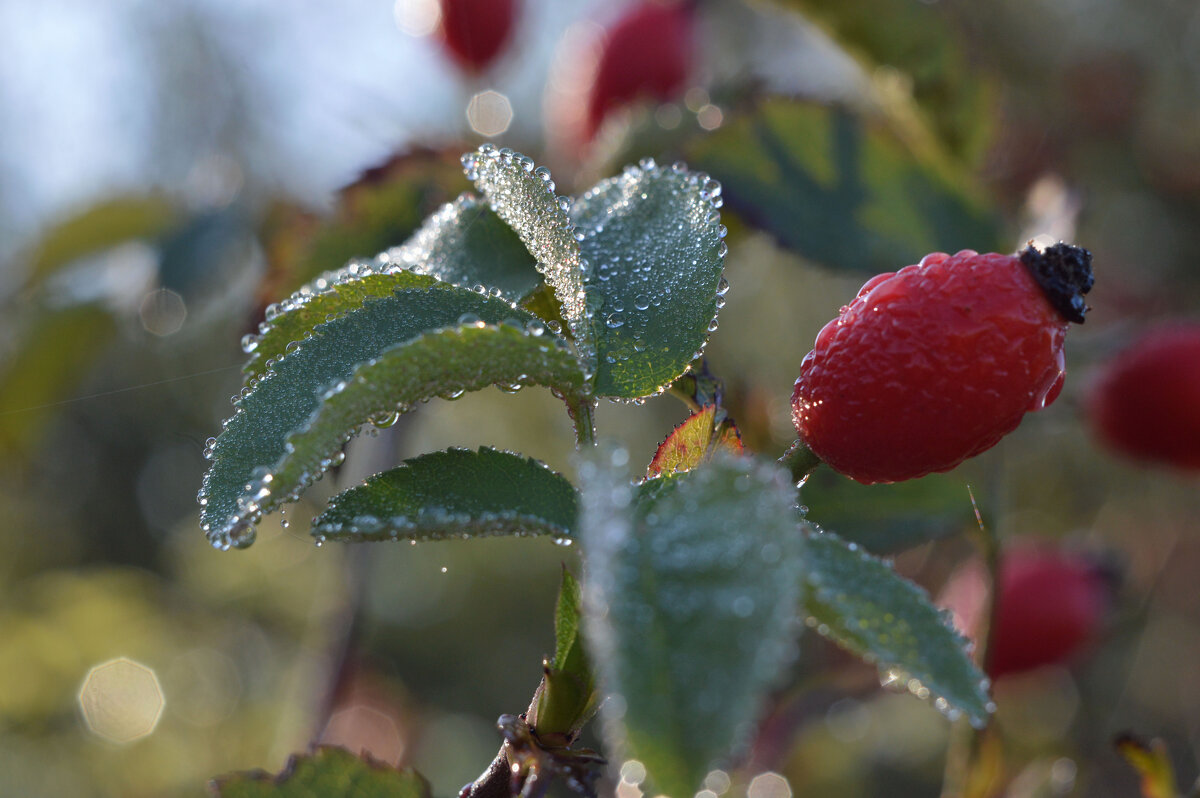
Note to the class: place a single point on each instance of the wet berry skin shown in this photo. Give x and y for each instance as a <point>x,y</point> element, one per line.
<point>475,31</point>
<point>1146,402</point>
<point>647,53</point>
<point>1052,604</point>
<point>933,364</point>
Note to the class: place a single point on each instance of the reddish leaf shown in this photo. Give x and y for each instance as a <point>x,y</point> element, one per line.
<point>694,441</point>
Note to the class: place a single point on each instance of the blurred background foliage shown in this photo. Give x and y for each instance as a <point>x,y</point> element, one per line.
<point>167,170</point>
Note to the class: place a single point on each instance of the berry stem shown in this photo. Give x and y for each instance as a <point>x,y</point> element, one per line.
<point>964,776</point>
<point>800,461</point>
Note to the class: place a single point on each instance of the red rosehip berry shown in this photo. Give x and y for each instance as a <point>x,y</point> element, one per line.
<point>475,31</point>
<point>1052,605</point>
<point>1146,402</point>
<point>647,53</point>
<point>935,363</point>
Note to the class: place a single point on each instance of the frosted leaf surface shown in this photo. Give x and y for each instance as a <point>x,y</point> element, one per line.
<point>241,483</point>
<point>860,603</point>
<point>523,196</point>
<point>464,243</point>
<point>332,294</point>
<point>457,493</point>
<point>691,603</point>
<point>467,244</point>
<point>653,239</point>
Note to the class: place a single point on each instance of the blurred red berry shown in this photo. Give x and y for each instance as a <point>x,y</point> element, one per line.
<point>475,31</point>
<point>646,54</point>
<point>1146,402</point>
<point>935,363</point>
<point>1052,605</point>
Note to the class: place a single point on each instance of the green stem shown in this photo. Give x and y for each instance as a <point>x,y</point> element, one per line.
<point>583,412</point>
<point>966,744</point>
<point>685,396</point>
<point>800,461</point>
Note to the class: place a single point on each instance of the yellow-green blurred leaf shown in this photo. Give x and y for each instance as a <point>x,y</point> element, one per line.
<point>50,361</point>
<point>100,227</point>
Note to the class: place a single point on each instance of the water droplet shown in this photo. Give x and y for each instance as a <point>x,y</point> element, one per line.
<point>614,321</point>
<point>385,420</point>
<point>241,534</point>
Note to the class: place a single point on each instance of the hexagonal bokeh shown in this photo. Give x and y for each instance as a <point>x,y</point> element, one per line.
<point>121,700</point>
<point>489,113</point>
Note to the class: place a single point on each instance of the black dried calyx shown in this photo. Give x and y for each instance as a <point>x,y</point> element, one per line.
<point>1064,272</point>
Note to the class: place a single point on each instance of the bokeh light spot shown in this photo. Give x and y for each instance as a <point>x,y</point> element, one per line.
<point>717,781</point>
<point>710,117</point>
<point>769,785</point>
<point>121,700</point>
<point>633,772</point>
<point>417,17</point>
<point>489,113</point>
<point>162,312</point>
<point>364,729</point>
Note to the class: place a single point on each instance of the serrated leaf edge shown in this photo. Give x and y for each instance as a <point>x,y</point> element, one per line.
<point>710,192</point>
<point>566,278</point>
<point>443,527</point>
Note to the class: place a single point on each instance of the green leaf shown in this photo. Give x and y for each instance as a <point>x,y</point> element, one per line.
<point>448,361</point>
<point>256,466</point>
<point>327,773</point>
<point>55,352</point>
<point>523,196</point>
<point>840,190</point>
<point>694,441</point>
<point>464,244</point>
<point>886,519</point>
<point>567,614</point>
<point>859,602</point>
<point>692,593</point>
<point>652,239</point>
<point>454,493</point>
<point>335,293</point>
<point>467,244</point>
<point>568,696</point>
